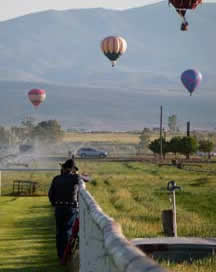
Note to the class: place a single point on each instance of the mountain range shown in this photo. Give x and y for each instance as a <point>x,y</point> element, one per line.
<point>60,51</point>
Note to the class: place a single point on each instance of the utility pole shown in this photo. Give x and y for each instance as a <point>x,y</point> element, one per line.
<point>188,135</point>
<point>188,128</point>
<point>161,127</point>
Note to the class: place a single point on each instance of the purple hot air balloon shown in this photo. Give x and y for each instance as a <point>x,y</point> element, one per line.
<point>191,79</point>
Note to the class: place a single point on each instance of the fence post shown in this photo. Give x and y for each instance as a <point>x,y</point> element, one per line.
<point>174,214</point>
<point>169,216</point>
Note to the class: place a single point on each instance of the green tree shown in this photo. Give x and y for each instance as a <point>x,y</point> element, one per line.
<point>154,146</point>
<point>172,122</point>
<point>212,137</point>
<point>20,133</point>
<point>4,135</point>
<point>175,145</point>
<point>144,140</point>
<point>206,146</point>
<point>28,123</point>
<point>48,131</point>
<point>188,146</point>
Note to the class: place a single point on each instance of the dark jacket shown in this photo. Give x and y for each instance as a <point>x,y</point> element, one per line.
<point>64,190</point>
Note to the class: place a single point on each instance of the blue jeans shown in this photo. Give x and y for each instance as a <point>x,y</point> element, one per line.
<point>65,217</point>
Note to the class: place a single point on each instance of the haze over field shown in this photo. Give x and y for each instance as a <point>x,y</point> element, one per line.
<point>60,51</point>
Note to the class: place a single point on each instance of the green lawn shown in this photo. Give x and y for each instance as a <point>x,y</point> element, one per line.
<point>133,193</point>
<point>27,235</point>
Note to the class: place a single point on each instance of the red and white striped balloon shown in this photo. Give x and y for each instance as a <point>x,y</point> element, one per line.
<point>37,96</point>
<point>113,47</point>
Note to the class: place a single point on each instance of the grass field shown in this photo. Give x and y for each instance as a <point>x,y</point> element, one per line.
<point>27,235</point>
<point>120,138</point>
<point>137,197</point>
<point>112,137</point>
<point>133,193</point>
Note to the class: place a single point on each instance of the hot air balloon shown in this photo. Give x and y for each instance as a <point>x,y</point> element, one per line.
<point>182,6</point>
<point>37,96</point>
<point>113,47</point>
<point>191,79</point>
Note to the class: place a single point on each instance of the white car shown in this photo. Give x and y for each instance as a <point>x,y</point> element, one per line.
<point>87,152</point>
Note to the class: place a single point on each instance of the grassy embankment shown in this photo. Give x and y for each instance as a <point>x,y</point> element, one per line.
<point>133,193</point>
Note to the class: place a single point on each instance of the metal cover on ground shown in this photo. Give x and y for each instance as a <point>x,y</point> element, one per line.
<point>177,249</point>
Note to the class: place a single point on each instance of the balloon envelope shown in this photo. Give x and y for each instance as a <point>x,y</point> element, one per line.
<point>113,47</point>
<point>37,96</point>
<point>191,79</point>
<point>185,4</point>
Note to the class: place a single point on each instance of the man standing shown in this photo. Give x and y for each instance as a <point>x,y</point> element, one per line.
<point>63,195</point>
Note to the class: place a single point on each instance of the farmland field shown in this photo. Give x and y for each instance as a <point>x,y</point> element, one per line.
<point>112,137</point>
<point>122,138</point>
<point>133,193</point>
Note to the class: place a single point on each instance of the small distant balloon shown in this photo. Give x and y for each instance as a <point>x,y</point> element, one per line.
<point>191,79</point>
<point>36,96</point>
<point>113,47</point>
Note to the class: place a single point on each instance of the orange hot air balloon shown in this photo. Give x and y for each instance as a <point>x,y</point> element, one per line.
<point>113,47</point>
<point>37,96</point>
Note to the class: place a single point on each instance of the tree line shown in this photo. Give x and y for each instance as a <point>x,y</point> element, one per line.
<point>47,131</point>
<point>184,145</point>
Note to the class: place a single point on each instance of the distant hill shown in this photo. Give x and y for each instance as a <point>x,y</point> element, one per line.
<point>102,108</point>
<point>64,46</point>
<point>60,51</point>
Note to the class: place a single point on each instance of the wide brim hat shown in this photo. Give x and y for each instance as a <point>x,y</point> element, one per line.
<point>69,164</point>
